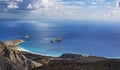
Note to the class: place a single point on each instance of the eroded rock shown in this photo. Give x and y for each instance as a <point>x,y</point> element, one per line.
<point>12,59</point>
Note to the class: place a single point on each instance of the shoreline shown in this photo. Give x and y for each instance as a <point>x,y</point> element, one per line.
<point>25,50</point>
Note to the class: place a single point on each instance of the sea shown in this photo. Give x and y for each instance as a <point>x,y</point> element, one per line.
<point>98,38</point>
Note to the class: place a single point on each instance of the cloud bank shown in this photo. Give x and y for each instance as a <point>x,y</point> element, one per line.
<point>72,9</point>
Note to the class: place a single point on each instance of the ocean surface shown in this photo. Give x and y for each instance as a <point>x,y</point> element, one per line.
<point>79,37</point>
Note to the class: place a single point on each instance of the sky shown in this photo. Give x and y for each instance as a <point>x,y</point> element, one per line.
<point>61,9</point>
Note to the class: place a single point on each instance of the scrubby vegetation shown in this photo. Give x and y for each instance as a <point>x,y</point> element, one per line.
<point>71,65</point>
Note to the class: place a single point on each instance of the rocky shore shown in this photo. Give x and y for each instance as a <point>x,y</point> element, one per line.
<point>13,59</point>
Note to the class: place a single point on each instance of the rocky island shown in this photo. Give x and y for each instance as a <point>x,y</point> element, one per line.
<point>13,59</point>
<point>58,39</point>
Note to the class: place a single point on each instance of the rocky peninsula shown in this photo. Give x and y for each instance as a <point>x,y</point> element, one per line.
<point>11,58</point>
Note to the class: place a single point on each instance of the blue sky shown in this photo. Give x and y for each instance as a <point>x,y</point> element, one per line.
<point>61,9</point>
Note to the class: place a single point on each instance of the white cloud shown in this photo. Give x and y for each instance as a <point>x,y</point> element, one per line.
<point>12,5</point>
<point>30,6</point>
<point>9,4</point>
<point>45,7</point>
<point>74,9</point>
<point>79,2</point>
<point>72,3</point>
<point>114,12</point>
<point>118,4</point>
<point>92,7</point>
<point>94,3</point>
<point>100,0</point>
<point>19,0</point>
<point>38,4</point>
<point>11,1</point>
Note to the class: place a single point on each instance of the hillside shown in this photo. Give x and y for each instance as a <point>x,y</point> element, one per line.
<point>13,59</point>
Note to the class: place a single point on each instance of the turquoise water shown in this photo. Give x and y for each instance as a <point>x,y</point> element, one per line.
<point>80,37</point>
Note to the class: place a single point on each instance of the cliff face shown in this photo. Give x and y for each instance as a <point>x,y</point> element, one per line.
<point>12,59</point>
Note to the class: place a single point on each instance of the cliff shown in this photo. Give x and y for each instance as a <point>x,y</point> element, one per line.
<point>12,59</point>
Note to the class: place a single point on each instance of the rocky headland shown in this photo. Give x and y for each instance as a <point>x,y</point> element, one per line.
<point>11,58</point>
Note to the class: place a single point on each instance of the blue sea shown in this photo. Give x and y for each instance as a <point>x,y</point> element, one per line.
<point>99,38</point>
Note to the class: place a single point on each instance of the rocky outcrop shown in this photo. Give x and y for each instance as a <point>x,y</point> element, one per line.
<point>38,58</point>
<point>12,59</point>
<point>12,42</point>
<point>58,39</point>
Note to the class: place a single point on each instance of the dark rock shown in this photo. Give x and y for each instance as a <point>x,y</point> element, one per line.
<point>82,58</point>
<point>58,39</point>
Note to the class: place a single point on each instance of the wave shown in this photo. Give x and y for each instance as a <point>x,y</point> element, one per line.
<point>23,49</point>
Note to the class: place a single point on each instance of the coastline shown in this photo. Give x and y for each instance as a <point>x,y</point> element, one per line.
<point>20,48</point>
<point>13,58</point>
<point>25,50</point>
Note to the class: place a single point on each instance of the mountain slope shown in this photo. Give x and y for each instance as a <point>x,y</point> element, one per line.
<point>12,59</point>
